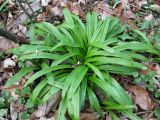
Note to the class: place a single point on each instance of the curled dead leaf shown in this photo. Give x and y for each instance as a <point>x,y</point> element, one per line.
<point>141,97</point>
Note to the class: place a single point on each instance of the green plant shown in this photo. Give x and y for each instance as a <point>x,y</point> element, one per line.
<point>76,57</point>
<point>3,5</point>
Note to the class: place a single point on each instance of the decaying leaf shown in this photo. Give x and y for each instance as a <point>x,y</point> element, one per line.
<point>129,14</point>
<point>103,9</point>
<point>89,116</point>
<point>118,8</point>
<point>5,44</point>
<point>139,4</point>
<point>141,97</point>
<point>22,17</point>
<point>75,8</point>
<point>15,109</point>
<point>46,107</point>
<point>150,67</point>
<point>1,66</point>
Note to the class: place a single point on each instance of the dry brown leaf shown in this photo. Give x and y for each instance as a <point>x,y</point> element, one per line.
<point>130,22</point>
<point>16,109</point>
<point>46,107</point>
<point>107,117</point>
<point>150,67</point>
<point>56,11</point>
<point>18,87</point>
<point>129,14</point>
<point>139,4</point>
<point>41,17</point>
<point>156,2</point>
<point>103,9</point>
<point>125,4</point>
<point>22,17</point>
<point>141,97</point>
<point>89,116</point>
<point>75,8</point>
<point>1,66</point>
<point>118,9</point>
<point>6,44</point>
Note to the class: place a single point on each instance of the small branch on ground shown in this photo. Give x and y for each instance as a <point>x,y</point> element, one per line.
<point>14,38</point>
<point>24,10</point>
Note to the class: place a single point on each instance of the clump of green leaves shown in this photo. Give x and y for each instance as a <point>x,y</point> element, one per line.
<point>5,100</point>
<point>76,57</point>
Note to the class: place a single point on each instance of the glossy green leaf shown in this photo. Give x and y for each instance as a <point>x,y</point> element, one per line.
<point>19,75</point>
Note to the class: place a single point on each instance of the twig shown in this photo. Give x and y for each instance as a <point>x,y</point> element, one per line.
<point>29,7</point>
<point>24,10</point>
<point>12,37</point>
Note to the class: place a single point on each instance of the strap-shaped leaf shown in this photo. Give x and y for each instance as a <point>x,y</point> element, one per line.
<point>74,80</point>
<point>77,79</point>
<point>136,46</point>
<point>96,70</point>
<point>116,92</point>
<point>45,71</point>
<point>130,115</point>
<point>39,55</point>
<point>117,61</point>
<point>83,89</point>
<point>38,89</point>
<point>74,106</point>
<point>62,109</point>
<point>94,102</point>
<point>19,75</point>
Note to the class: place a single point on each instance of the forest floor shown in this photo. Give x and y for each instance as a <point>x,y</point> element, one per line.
<point>18,16</point>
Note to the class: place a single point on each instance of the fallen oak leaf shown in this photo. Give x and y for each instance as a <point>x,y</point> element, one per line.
<point>141,97</point>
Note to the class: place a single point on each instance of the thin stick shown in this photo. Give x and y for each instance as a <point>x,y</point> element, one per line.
<point>24,10</point>
<point>13,37</point>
